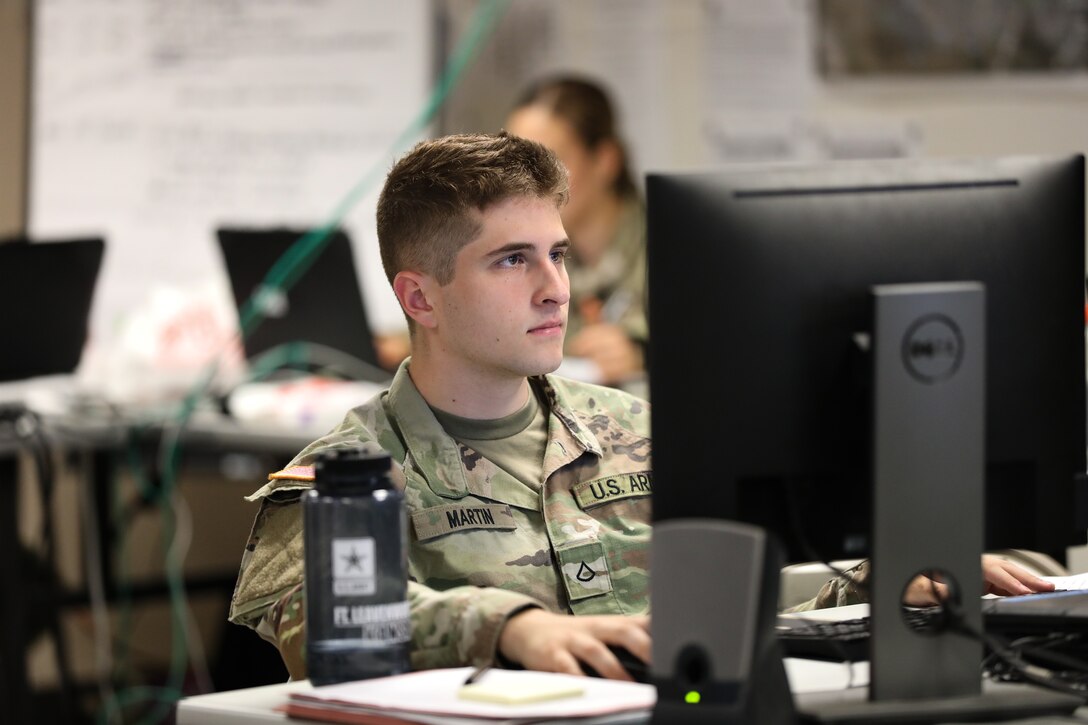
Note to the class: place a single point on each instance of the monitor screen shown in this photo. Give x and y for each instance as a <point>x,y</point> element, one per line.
<point>46,292</point>
<point>324,308</point>
<point>760,285</point>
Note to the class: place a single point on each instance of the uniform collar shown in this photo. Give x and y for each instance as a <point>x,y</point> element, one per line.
<point>438,456</point>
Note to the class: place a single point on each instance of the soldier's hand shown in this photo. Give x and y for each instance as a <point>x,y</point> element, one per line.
<point>999,576</point>
<point>1002,577</point>
<point>540,640</point>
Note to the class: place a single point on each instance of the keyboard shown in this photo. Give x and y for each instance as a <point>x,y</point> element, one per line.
<point>845,640</point>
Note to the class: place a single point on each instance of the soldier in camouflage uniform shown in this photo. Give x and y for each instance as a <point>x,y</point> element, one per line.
<point>525,491</point>
<point>528,495</point>
<point>571,535</point>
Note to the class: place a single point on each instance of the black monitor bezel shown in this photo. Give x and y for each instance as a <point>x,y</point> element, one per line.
<point>736,303</point>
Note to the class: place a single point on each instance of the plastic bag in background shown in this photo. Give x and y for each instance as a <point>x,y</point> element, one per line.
<point>164,348</point>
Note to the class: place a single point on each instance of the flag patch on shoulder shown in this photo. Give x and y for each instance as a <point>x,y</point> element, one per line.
<point>294,473</point>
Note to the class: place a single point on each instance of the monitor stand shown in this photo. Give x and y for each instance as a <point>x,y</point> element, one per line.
<point>928,443</point>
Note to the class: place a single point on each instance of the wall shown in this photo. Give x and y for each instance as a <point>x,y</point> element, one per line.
<point>14,50</point>
<point>156,123</point>
<point>697,82</point>
<point>961,116</point>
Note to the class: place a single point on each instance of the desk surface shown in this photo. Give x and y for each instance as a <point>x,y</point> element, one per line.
<point>205,431</point>
<point>240,707</point>
<point>258,705</point>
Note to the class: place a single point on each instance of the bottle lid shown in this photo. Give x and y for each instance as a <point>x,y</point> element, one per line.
<point>364,467</point>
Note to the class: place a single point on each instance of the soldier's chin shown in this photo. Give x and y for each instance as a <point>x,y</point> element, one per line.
<point>544,364</point>
<point>548,367</point>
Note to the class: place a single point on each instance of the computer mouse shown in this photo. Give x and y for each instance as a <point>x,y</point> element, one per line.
<point>639,670</point>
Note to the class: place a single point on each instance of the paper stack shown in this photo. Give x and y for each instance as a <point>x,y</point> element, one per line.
<point>432,697</point>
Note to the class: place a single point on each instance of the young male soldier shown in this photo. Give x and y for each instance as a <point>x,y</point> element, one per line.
<point>524,491</point>
<point>528,495</point>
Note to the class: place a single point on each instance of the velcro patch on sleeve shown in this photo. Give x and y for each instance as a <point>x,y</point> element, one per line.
<point>613,488</point>
<point>441,520</point>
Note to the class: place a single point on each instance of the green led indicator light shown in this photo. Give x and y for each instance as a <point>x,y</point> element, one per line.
<point>693,698</point>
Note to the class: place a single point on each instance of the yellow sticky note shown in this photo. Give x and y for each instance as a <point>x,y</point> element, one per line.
<point>520,692</point>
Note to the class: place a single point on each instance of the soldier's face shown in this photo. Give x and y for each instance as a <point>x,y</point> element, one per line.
<point>505,311</point>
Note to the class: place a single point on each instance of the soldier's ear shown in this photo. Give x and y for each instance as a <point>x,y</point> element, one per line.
<point>413,291</point>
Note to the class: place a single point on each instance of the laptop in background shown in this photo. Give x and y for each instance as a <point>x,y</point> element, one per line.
<point>324,307</point>
<point>46,290</point>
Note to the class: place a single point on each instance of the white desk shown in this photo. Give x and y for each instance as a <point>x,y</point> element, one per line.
<point>258,705</point>
<point>810,681</point>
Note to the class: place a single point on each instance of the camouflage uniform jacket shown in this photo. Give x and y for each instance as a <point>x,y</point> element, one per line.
<point>482,544</point>
<point>849,587</point>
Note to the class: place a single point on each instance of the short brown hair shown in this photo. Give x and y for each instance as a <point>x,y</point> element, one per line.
<point>431,203</point>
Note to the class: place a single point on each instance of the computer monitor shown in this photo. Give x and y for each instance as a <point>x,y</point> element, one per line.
<point>760,285</point>
<point>323,311</point>
<point>46,291</point>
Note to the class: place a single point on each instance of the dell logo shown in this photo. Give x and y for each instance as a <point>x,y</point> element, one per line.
<point>932,348</point>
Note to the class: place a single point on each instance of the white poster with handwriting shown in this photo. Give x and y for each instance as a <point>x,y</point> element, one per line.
<point>154,123</point>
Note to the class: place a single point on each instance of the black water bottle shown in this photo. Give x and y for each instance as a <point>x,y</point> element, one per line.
<point>355,536</point>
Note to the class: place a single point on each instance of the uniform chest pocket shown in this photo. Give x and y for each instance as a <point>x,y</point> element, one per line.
<point>430,523</point>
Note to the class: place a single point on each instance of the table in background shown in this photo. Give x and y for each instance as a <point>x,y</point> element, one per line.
<point>98,439</point>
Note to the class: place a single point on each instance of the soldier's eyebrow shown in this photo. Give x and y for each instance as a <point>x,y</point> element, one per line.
<point>509,248</point>
<point>514,247</point>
